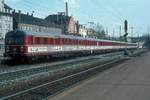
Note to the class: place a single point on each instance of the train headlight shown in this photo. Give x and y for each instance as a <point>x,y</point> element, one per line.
<point>21,48</point>
<point>15,49</point>
<point>7,49</point>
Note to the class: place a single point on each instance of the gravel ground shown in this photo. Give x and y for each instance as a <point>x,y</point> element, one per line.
<point>127,81</point>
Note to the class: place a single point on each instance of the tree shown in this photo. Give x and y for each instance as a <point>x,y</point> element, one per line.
<point>99,31</point>
<point>146,38</point>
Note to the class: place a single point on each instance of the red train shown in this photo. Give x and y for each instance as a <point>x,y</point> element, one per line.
<point>30,46</point>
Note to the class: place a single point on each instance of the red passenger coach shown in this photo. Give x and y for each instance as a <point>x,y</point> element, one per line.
<point>32,46</point>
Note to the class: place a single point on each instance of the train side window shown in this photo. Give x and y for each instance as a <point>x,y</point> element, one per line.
<point>54,41</point>
<point>45,40</point>
<point>32,40</point>
<point>68,41</point>
<point>81,42</point>
<point>60,40</point>
<point>37,40</point>
<point>63,40</point>
<point>48,41</point>
<point>57,41</point>
<point>41,40</point>
<point>76,42</point>
<point>51,40</point>
<point>71,41</point>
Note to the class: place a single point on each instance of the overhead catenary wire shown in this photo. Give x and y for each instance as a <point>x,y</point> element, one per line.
<point>40,12</point>
<point>45,11</point>
<point>26,8</point>
<point>106,9</point>
<point>85,13</point>
<point>35,4</point>
<point>114,10</point>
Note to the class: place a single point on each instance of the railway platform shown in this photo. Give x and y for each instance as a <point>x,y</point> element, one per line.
<point>126,81</point>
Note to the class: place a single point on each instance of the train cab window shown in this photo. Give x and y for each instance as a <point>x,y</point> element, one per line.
<point>18,41</point>
<point>15,40</point>
<point>9,41</point>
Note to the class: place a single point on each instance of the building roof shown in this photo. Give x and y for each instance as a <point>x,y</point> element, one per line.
<point>29,19</point>
<point>59,19</point>
<point>7,7</point>
<point>6,10</point>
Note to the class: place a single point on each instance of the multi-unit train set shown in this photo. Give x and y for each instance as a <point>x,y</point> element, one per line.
<point>30,46</point>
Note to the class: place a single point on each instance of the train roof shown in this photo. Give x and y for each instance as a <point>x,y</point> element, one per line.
<point>54,34</point>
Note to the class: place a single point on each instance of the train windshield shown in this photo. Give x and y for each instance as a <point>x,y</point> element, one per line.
<point>14,41</point>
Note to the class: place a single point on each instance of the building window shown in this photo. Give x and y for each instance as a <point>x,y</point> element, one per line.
<point>0,26</point>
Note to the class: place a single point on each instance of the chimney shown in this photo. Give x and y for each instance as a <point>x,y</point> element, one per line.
<point>32,13</point>
<point>66,8</point>
<point>19,11</point>
<point>2,1</point>
<point>14,11</point>
<point>27,13</point>
<point>19,16</point>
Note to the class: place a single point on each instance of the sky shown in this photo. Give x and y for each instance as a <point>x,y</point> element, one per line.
<point>109,13</point>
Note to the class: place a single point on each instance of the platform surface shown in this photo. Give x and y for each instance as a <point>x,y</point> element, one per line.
<point>127,81</point>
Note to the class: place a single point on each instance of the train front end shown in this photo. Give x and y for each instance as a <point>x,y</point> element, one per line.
<point>14,45</point>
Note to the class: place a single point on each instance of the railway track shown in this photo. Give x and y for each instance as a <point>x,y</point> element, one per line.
<point>53,73</point>
<point>8,68</point>
<point>15,76</point>
<point>50,88</point>
<point>9,78</point>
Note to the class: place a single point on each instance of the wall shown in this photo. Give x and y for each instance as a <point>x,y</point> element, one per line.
<point>83,30</point>
<point>1,4</point>
<point>6,20</point>
<point>72,26</point>
<point>36,28</point>
<point>5,25</point>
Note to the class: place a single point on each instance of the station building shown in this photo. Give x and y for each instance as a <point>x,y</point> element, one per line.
<point>6,22</point>
<point>28,22</point>
<point>67,23</point>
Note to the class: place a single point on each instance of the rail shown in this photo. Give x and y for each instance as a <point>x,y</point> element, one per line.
<point>58,80</point>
